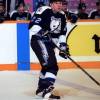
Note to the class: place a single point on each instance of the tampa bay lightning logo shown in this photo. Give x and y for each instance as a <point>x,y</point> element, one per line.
<point>55,24</point>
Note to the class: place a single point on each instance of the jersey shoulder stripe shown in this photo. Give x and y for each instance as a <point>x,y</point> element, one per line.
<point>42,9</point>
<point>62,12</point>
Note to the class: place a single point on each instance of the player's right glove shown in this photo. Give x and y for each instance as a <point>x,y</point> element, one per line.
<point>64,50</point>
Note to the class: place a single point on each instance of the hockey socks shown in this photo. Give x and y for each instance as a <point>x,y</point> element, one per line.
<point>45,87</point>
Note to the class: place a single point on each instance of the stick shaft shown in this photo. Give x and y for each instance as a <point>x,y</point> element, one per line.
<point>81,68</point>
<point>93,79</point>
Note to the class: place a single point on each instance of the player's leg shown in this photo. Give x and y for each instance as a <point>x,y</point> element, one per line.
<point>46,56</point>
<point>50,76</point>
<point>37,47</point>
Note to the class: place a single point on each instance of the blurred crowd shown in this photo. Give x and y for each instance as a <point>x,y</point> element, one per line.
<point>19,10</point>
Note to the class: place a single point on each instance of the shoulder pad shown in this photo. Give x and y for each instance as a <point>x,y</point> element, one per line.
<point>62,12</point>
<point>42,9</point>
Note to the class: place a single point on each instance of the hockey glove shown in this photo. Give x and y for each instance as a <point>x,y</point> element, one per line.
<point>64,50</point>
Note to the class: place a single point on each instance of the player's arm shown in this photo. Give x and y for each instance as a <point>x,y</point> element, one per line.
<point>34,25</point>
<point>37,24</point>
<point>62,40</point>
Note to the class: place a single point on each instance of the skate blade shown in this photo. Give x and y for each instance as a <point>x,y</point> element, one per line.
<point>37,97</point>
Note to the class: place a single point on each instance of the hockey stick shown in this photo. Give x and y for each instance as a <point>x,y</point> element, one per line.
<point>93,79</point>
<point>81,68</point>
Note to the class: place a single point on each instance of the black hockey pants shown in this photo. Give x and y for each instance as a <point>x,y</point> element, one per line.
<point>44,51</point>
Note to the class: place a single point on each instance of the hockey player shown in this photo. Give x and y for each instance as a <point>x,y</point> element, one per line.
<point>52,20</point>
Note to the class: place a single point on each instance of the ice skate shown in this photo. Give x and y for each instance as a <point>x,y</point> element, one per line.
<point>47,94</point>
<point>39,92</point>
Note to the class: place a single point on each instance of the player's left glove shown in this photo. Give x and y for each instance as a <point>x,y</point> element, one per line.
<point>64,50</point>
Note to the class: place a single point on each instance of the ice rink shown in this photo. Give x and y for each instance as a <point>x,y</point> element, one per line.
<point>71,84</point>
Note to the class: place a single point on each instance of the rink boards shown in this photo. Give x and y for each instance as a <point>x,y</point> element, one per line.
<point>16,54</point>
